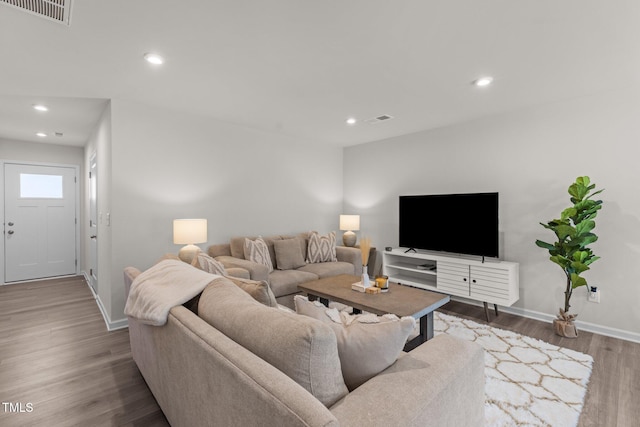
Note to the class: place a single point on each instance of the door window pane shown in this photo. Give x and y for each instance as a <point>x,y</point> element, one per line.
<point>40,186</point>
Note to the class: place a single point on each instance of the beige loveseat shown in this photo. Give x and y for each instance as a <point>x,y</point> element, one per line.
<point>241,363</point>
<point>284,280</point>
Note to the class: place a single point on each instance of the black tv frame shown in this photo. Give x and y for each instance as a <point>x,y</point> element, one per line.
<point>449,223</point>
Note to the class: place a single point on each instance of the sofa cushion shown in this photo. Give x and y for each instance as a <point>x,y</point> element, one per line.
<point>305,238</point>
<point>327,269</point>
<point>367,344</point>
<point>321,248</point>
<point>236,246</point>
<point>270,241</point>
<point>289,253</point>
<point>301,347</point>
<point>257,251</point>
<point>285,282</point>
<point>258,289</point>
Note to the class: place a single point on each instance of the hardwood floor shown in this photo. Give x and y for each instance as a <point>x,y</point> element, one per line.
<point>56,354</point>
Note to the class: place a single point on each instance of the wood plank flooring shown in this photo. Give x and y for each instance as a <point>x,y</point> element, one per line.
<point>56,354</point>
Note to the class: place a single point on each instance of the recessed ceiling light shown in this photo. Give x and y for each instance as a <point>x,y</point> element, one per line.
<point>154,58</point>
<point>351,121</point>
<point>40,107</point>
<point>41,134</point>
<point>483,81</point>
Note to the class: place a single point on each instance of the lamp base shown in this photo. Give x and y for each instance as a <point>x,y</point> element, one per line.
<point>187,253</point>
<point>349,238</point>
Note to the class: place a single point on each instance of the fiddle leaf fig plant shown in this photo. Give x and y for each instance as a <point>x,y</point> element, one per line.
<point>574,233</point>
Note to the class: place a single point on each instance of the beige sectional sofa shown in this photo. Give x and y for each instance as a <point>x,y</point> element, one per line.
<point>284,281</point>
<point>240,363</point>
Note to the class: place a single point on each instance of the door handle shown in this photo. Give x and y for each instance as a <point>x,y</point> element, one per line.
<point>10,224</point>
<point>10,231</point>
<point>92,237</point>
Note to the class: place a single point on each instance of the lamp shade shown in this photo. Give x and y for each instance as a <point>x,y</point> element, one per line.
<point>189,231</point>
<point>349,222</point>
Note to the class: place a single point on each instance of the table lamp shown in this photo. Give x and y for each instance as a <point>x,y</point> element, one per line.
<point>189,232</point>
<point>350,223</point>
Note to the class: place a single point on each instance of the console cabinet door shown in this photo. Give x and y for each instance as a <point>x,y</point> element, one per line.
<point>489,284</point>
<point>453,278</point>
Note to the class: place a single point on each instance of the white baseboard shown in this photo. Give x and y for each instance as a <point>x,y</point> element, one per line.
<point>582,326</point>
<point>118,324</point>
<point>111,325</point>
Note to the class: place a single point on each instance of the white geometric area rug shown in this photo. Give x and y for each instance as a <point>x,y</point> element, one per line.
<point>528,382</point>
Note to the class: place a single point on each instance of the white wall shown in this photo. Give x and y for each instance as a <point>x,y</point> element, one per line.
<point>100,144</point>
<point>168,165</point>
<point>530,157</point>
<point>40,152</point>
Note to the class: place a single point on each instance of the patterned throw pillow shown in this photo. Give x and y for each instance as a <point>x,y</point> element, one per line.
<point>258,251</point>
<point>208,264</point>
<point>321,248</point>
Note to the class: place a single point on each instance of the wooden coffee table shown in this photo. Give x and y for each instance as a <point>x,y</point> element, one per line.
<point>400,300</point>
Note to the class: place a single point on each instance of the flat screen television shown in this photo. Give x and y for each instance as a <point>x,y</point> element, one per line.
<point>457,223</point>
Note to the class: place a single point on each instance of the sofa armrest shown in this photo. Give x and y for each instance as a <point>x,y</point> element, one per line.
<point>352,255</point>
<point>256,271</point>
<point>223,249</point>
<point>200,378</point>
<point>439,383</point>
<point>238,272</point>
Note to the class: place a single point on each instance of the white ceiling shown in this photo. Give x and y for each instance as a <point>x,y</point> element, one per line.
<point>302,67</point>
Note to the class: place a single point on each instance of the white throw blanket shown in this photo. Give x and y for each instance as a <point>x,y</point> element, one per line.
<point>165,285</point>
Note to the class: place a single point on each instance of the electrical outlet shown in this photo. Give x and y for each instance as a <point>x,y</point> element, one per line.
<point>594,296</point>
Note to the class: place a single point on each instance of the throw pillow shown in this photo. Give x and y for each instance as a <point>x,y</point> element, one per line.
<point>257,251</point>
<point>289,253</point>
<point>321,248</point>
<point>303,348</point>
<point>367,344</point>
<point>258,289</point>
<point>206,263</point>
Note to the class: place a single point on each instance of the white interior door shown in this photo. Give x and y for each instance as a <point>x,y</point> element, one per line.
<point>40,221</point>
<point>93,223</point>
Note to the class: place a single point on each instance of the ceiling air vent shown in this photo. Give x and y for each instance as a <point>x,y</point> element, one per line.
<point>54,10</point>
<point>379,119</point>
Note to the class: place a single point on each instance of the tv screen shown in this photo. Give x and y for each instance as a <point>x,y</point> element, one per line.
<point>457,223</point>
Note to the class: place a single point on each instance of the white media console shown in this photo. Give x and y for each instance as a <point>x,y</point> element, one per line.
<point>492,281</point>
